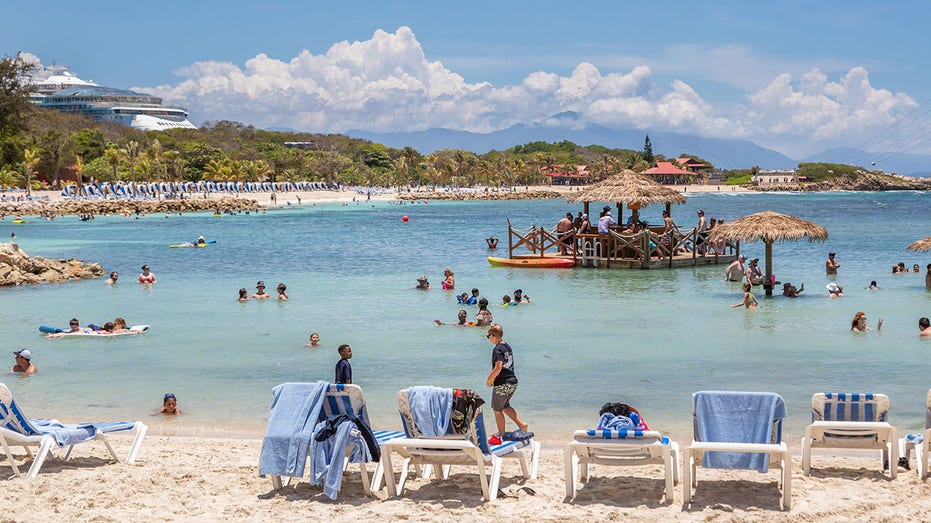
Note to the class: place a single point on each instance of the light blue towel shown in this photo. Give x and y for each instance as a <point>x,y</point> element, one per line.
<point>294,414</point>
<point>326,457</point>
<point>65,434</point>
<point>736,417</point>
<point>431,408</point>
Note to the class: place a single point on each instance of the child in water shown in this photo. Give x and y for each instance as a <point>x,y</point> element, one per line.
<point>169,405</point>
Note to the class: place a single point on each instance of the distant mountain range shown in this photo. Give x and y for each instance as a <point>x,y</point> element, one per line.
<point>723,153</point>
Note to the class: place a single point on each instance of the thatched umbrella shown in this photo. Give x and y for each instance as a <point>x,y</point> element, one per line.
<point>628,187</point>
<point>922,245</point>
<point>769,227</point>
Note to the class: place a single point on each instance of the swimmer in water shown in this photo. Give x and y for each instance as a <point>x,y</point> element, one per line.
<point>169,405</point>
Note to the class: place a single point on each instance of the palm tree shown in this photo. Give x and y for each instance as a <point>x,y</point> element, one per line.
<point>114,158</point>
<point>131,154</point>
<point>174,164</point>
<point>155,153</point>
<point>8,177</point>
<point>31,157</point>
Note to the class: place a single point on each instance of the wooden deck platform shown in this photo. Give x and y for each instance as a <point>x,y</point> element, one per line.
<point>645,249</point>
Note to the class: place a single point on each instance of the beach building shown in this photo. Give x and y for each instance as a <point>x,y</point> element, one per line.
<point>773,177</point>
<point>671,174</point>
<point>566,175</point>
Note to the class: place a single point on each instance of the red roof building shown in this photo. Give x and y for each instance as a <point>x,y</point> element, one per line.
<point>689,163</point>
<point>666,172</point>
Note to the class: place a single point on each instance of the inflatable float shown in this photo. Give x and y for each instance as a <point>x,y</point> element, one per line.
<point>532,263</point>
<point>19,220</point>
<point>135,329</point>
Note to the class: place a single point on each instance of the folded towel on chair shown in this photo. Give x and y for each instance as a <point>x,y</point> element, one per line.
<point>65,434</point>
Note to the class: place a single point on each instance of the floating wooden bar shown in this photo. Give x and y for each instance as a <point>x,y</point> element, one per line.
<point>645,249</point>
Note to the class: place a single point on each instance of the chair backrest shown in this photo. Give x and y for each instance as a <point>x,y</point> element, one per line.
<point>842,406</point>
<point>476,432</point>
<point>11,417</point>
<point>741,400</point>
<point>928,412</point>
<point>344,399</point>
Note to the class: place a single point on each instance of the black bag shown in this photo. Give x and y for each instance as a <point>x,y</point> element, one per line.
<point>617,409</point>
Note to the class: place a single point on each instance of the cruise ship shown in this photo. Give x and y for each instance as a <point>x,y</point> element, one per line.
<point>59,89</point>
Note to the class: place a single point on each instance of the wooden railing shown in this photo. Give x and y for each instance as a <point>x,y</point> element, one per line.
<point>644,246</point>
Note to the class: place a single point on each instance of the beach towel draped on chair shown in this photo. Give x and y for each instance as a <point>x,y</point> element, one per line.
<point>298,409</point>
<point>748,423</point>
<point>441,452</point>
<point>18,430</point>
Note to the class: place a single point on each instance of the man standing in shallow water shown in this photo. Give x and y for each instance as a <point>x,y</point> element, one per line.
<point>831,265</point>
<point>928,277</point>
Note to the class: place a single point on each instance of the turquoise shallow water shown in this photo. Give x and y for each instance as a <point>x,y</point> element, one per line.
<point>649,338</point>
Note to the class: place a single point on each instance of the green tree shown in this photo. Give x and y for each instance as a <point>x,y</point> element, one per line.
<point>15,88</point>
<point>131,153</point>
<point>114,158</point>
<point>31,158</point>
<point>648,150</point>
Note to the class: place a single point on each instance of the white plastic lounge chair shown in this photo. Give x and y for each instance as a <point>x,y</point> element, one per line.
<point>851,421</point>
<point>620,448</point>
<point>738,430</point>
<point>18,430</point>
<point>469,449</point>
<point>341,399</point>
<point>920,443</point>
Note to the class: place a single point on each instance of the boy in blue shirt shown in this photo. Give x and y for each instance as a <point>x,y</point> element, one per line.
<point>343,368</point>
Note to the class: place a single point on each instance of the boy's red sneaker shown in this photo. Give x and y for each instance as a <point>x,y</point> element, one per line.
<point>494,440</point>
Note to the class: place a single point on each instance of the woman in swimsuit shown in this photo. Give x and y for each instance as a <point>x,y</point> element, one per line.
<point>146,276</point>
<point>484,317</point>
<point>749,300</point>
<point>281,294</point>
<point>450,282</point>
<point>119,325</point>
<point>243,295</point>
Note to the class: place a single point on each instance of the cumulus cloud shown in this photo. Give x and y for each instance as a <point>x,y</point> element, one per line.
<point>387,83</point>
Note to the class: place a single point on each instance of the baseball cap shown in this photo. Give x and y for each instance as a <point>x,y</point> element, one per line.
<point>741,257</point>
<point>24,353</point>
<point>260,283</point>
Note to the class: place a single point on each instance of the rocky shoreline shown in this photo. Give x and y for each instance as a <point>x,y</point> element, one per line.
<point>864,182</point>
<point>102,207</point>
<point>17,268</point>
<point>482,195</point>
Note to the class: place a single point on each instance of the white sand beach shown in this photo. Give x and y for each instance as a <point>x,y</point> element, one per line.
<point>200,479</point>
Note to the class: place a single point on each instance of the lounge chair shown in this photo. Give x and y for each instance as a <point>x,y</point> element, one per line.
<point>620,448</point>
<point>851,421</point>
<point>470,449</point>
<point>920,443</point>
<point>287,430</point>
<point>18,430</point>
<point>738,430</point>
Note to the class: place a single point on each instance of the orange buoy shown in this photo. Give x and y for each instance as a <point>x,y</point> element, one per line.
<point>404,218</point>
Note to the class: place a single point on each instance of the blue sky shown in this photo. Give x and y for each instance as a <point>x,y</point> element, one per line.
<point>795,76</point>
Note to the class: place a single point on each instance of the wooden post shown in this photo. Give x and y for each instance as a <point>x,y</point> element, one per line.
<point>768,281</point>
<point>645,245</point>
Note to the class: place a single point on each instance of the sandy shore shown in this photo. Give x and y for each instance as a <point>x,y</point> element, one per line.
<point>184,479</point>
<point>284,199</point>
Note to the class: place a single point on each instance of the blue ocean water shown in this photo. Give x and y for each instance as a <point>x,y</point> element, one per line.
<point>649,338</point>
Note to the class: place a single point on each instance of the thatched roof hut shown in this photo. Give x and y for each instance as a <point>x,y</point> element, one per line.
<point>769,227</point>
<point>629,188</point>
<point>922,245</point>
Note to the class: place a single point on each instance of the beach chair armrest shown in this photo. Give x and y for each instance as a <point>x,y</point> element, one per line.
<point>881,429</point>
<point>723,446</point>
